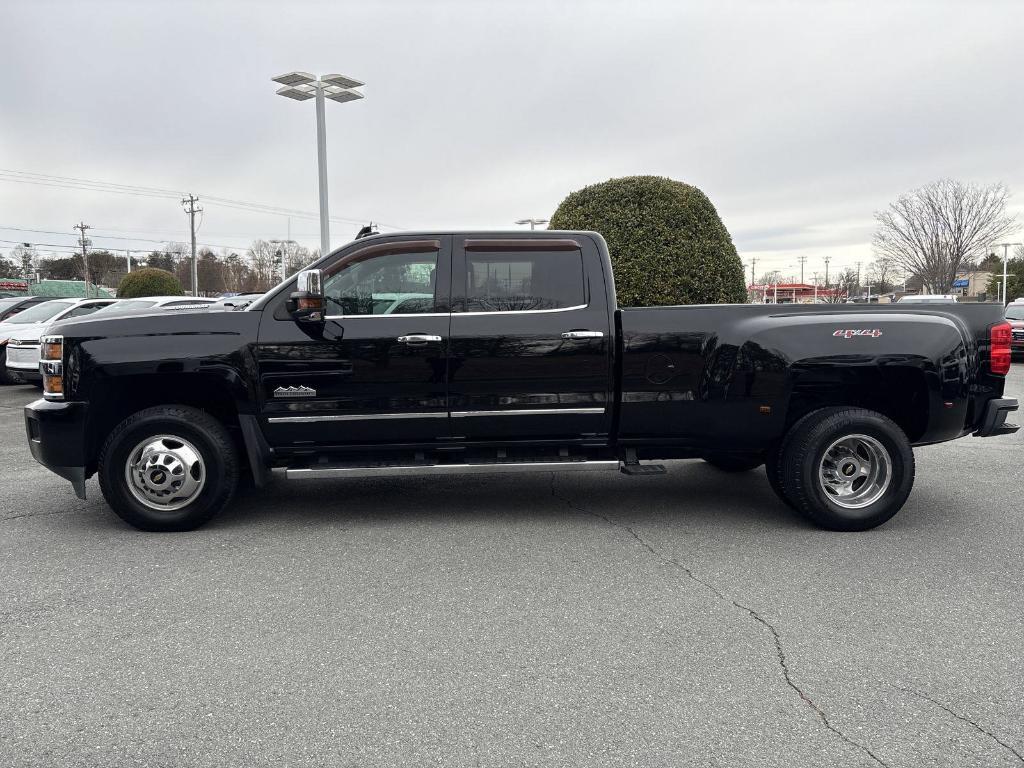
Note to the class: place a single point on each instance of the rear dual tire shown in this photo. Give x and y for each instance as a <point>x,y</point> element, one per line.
<point>845,469</point>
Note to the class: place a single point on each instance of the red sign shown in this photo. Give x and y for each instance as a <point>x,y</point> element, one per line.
<point>13,285</point>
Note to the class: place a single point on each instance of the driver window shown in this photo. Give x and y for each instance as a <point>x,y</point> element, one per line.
<point>384,284</point>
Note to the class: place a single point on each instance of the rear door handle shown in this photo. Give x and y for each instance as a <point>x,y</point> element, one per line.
<point>417,338</point>
<point>583,335</point>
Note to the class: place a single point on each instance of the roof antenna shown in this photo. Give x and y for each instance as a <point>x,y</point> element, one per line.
<point>369,229</point>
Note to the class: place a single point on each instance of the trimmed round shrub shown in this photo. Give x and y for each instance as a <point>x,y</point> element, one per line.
<point>149,282</point>
<point>667,242</point>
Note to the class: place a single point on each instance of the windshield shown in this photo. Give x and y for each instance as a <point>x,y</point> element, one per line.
<point>40,312</point>
<point>6,304</point>
<point>1015,312</point>
<point>125,306</point>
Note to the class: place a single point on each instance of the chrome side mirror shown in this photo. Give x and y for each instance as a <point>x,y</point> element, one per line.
<point>306,303</point>
<point>310,282</point>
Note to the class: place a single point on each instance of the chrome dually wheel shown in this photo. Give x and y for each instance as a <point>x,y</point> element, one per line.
<point>846,468</point>
<point>165,472</point>
<point>855,471</point>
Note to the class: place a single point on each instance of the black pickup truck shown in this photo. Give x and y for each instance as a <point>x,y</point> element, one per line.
<point>505,352</point>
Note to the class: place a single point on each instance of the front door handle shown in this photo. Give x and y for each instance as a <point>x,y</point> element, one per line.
<point>583,335</point>
<point>417,338</point>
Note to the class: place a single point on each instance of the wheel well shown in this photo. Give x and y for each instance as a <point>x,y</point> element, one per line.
<point>119,398</point>
<point>899,393</point>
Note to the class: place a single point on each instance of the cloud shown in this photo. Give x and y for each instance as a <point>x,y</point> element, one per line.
<point>798,119</point>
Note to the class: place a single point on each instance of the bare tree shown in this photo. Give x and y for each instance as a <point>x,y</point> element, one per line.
<point>938,229</point>
<point>840,289</point>
<point>25,258</point>
<point>262,258</point>
<point>881,275</point>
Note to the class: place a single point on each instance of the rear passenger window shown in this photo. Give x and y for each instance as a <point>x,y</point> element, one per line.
<point>514,281</point>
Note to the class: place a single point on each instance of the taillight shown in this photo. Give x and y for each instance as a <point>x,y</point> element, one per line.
<point>999,353</point>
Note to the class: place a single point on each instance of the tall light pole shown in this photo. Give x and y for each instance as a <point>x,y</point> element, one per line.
<point>532,222</point>
<point>341,88</point>
<point>1006,251</point>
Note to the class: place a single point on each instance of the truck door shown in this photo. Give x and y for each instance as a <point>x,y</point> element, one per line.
<point>378,371</point>
<point>530,352</point>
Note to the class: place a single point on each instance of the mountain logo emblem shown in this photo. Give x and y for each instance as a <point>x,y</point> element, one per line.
<point>294,392</point>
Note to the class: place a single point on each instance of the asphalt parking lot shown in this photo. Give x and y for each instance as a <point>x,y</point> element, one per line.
<point>685,619</point>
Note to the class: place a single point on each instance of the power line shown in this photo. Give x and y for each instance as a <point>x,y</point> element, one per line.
<point>93,185</point>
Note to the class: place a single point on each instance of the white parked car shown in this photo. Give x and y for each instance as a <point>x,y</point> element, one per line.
<point>236,302</point>
<point>154,304</point>
<point>21,333</point>
<point>928,298</point>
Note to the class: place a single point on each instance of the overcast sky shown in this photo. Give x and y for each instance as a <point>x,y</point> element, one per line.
<point>799,120</point>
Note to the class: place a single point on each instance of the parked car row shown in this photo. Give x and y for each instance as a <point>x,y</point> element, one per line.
<point>24,320</point>
<point>1015,317</point>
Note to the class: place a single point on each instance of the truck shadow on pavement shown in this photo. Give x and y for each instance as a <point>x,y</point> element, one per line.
<point>690,492</point>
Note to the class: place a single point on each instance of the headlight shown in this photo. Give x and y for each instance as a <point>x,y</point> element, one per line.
<point>51,366</point>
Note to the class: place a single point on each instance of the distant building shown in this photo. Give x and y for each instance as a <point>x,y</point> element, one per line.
<point>787,293</point>
<point>972,285</point>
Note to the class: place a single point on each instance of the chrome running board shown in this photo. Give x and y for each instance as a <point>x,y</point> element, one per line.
<point>308,473</point>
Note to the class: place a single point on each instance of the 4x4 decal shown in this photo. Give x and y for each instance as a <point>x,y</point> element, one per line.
<point>849,333</point>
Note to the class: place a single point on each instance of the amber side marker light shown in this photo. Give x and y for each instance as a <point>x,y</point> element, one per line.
<point>51,366</point>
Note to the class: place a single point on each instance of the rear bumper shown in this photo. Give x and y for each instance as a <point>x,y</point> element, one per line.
<point>994,421</point>
<point>56,437</point>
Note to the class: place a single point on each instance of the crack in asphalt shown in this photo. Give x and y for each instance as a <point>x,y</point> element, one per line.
<point>779,650</point>
<point>977,726</point>
<point>39,514</point>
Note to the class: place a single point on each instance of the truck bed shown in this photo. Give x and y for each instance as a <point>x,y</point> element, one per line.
<point>739,374</point>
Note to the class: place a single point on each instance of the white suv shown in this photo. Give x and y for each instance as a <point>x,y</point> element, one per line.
<point>22,333</point>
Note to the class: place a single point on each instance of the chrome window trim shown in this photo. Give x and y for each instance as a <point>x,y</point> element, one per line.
<point>463,314</point>
<point>355,417</point>
<point>368,317</point>
<point>528,412</point>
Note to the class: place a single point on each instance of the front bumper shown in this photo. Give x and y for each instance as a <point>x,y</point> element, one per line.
<point>23,359</point>
<point>994,421</point>
<point>56,437</point>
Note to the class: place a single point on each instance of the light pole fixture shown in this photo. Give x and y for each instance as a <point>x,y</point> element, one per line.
<point>532,222</point>
<point>282,249</point>
<point>302,86</point>
<point>1006,260</point>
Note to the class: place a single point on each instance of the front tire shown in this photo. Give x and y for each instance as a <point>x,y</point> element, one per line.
<point>847,469</point>
<point>168,468</point>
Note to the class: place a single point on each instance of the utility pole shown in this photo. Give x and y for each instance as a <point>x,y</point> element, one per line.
<point>858,277</point>
<point>84,242</point>
<point>753,270</point>
<point>815,287</point>
<point>827,260</point>
<point>802,260</point>
<point>191,210</point>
